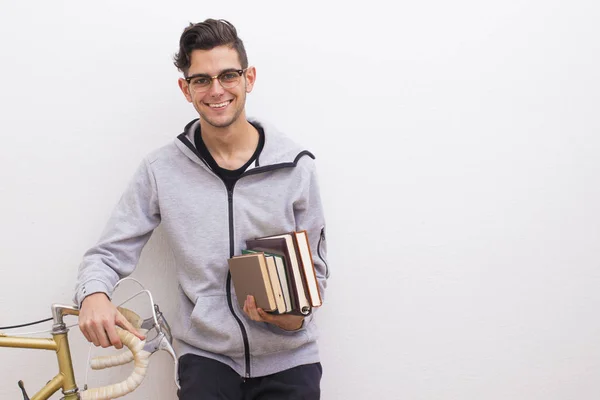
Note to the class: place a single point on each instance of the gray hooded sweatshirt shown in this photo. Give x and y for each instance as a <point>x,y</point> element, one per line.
<point>205,224</point>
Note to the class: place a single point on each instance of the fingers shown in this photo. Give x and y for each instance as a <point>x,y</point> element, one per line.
<point>84,331</point>
<point>94,332</point>
<point>96,318</point>
<point>265,316</point>
<point>285,321</point>
<point>99,328</point>
<point>101,333</point>
<point>125,324</point>
<point>113,336</point>
<point>251,310</point>
<point>90,335</point>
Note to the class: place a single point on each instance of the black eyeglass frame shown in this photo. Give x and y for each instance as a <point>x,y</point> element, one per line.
<point>240,72</point>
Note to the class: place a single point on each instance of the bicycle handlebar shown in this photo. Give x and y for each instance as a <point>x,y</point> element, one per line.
<point>141,359</point>
<point>139,350</point>
<point>102,362</point>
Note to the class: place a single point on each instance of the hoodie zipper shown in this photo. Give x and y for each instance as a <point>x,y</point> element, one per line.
<point>322,239</point>
<point>232,248</point>
<point>229,299</point>
<point>182,137</point>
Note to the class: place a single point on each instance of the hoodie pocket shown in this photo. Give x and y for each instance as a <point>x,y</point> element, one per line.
<point>266,338</point>
<point>213,328</point>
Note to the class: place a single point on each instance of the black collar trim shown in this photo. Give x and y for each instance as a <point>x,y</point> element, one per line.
<point>183,138</point>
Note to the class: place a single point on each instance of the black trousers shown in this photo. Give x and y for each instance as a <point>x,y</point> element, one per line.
<point>202,378</point>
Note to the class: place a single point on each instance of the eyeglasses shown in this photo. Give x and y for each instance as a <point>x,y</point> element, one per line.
<point>228,79</point>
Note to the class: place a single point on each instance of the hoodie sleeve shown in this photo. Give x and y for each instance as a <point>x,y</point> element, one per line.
<point>131,224</point>
<point>309,214</point>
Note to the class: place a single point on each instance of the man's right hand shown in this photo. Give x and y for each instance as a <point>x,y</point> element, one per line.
<point>98,317</point>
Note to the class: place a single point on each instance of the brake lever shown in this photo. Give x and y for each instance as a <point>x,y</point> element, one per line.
<point>162,341</point>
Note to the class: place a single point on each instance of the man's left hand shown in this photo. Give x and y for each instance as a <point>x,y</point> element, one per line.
<point>286,322</point>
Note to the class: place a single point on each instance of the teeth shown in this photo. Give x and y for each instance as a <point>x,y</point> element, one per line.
<point>219,105</point>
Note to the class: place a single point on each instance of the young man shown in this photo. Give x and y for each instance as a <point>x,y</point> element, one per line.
<point>222,181</point>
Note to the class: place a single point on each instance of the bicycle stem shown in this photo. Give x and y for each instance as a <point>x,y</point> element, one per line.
<point>58,312</point>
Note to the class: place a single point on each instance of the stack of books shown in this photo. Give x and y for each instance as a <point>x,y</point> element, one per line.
<point>279,272</point>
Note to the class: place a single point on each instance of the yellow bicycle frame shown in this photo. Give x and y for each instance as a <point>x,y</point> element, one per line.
<point>59,342</point>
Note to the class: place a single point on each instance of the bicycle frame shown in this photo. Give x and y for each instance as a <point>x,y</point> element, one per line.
<point>139,352</point>
<point>65,379</point>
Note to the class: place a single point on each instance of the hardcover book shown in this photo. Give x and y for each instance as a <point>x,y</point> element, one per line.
<point>294,249</point>
<point>276,281</point>
<point>250,276</point>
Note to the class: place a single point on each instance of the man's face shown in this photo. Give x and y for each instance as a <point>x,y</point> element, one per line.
<point>218,106</point>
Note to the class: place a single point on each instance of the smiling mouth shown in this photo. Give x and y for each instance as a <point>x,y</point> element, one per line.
<point>219,105</point>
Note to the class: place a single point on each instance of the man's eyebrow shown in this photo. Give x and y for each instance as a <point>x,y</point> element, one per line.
<point>201,74</point>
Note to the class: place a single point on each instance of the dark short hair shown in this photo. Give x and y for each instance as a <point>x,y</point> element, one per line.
<point>207,35</point>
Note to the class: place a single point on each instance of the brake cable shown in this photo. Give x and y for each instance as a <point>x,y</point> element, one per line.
<point>23,325</point>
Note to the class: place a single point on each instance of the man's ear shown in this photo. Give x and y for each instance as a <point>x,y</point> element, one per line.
<point>250,78</point>
<point>185,89</point>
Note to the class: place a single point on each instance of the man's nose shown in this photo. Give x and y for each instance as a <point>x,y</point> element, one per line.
<point>215,87</point>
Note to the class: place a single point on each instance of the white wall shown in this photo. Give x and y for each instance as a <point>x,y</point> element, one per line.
<point>458,148</point>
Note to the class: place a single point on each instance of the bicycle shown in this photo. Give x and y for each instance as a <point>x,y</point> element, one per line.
<point>139,351</point>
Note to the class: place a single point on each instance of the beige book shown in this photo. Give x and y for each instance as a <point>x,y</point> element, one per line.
<point>309,268</point>
<point>250,276</point>
<point>276,284</point>
<point>278,281</point>
<point>285,290</point>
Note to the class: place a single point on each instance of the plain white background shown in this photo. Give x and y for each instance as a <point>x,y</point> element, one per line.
<point>458,149</point>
